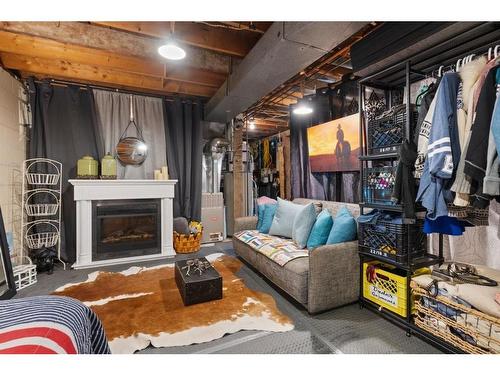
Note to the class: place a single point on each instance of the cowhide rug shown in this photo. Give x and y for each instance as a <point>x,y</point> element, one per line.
<point>142,305</point>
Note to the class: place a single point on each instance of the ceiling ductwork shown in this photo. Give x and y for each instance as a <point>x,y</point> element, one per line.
<point>283,51</point>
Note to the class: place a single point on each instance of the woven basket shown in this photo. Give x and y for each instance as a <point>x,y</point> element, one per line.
<point>187,243</point>
<point>441,326</point>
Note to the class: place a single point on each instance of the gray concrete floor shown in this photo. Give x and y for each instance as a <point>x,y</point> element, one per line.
<point>348,329</point>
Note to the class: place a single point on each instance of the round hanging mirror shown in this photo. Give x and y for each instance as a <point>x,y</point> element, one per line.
<point>132,150</point>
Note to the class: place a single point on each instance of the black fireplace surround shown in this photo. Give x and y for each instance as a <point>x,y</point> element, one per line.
<point>125,228</point>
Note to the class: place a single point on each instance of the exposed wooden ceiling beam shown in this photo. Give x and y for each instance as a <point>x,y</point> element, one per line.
<point>256,133</point>
<point>257,27</point>
<point>221,40</point>
<point>48,49</point>
<point>113,41</point>
<point>334,72</point>
<point>58,68</point>
<point>263,124</point>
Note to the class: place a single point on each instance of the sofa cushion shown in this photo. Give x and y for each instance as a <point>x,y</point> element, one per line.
<point>279,250</point>
<point>302,225</point>
<point>265,200</point>
<point>268,218</point>
<point>283,218</point>
<point>331,206</point>
<point>320,230</point>
<point>292,278</point>
<point>344,227</point>
<point>267,212</point>
<point>260,215</point>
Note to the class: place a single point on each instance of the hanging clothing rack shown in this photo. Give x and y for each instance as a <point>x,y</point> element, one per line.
<point>491,53</point>
<point>477,40</point>
<point>402,74</point>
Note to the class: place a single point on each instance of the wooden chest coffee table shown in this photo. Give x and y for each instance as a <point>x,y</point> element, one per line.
<point>195,287</point>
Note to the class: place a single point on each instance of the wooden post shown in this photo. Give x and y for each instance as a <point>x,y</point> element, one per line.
<point>288,167</point>
<point>280,166</point>
<point>238,185</point>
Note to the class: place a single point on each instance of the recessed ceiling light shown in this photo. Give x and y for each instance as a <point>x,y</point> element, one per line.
<point>251,124</point>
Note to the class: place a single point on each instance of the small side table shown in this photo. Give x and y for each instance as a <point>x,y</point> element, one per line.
<point>195,288</point>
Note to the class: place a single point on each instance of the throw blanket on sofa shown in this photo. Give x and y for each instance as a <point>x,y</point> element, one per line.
<point>279,250</point>
<point>50,324</point>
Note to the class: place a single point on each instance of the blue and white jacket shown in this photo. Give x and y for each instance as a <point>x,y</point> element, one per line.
<point>443,152</point>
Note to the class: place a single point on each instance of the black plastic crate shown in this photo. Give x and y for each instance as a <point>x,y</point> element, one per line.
<point>389,240</point>
<point>378,184</point>
<point>386,134</point>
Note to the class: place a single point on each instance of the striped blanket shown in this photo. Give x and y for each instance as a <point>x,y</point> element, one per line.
<point>279,250</point>
<point>50,324</point>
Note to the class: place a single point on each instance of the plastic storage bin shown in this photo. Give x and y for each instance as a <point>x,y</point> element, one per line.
<point>385,286</point>
<point>393,241</point>
<point>386,133</point>
<point>378,184</point>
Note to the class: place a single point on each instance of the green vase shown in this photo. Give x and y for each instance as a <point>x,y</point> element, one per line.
<point>108,167</point>
<point>87,167</point>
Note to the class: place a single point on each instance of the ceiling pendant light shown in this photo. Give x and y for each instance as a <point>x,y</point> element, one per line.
<point>171,50</point>
<point>302,109</point>
<point>251,124</point>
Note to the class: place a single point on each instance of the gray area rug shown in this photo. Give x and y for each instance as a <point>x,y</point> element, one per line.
<point>347,329</point>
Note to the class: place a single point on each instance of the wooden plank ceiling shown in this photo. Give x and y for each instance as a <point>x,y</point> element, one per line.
<point>124,54</point>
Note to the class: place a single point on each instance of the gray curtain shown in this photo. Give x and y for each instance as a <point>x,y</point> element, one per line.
<point>64,129</point>
<point>113,112</point>
<point>183,133</point>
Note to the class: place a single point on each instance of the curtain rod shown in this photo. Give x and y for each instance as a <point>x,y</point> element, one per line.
<point>59,82</point>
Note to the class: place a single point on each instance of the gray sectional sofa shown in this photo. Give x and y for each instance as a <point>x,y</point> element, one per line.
<point>327,278</point>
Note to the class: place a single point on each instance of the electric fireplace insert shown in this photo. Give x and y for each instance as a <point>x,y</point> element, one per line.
<point>125,228</point>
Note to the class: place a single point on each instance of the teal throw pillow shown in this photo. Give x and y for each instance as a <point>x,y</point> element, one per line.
<point>344,227</point>
<point>321,230</point>
<point>302,225</point>
<point>267,217</point>
<point>260,215</point>
<point>283,219</point>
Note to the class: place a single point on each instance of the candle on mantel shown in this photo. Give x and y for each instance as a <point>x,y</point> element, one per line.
<point>164,172</point>
<point>158,174</point>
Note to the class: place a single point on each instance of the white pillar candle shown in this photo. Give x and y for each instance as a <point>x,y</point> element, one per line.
<point>164,172</point>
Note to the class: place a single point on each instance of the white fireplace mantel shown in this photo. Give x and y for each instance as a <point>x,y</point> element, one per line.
<point>86,191</point>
